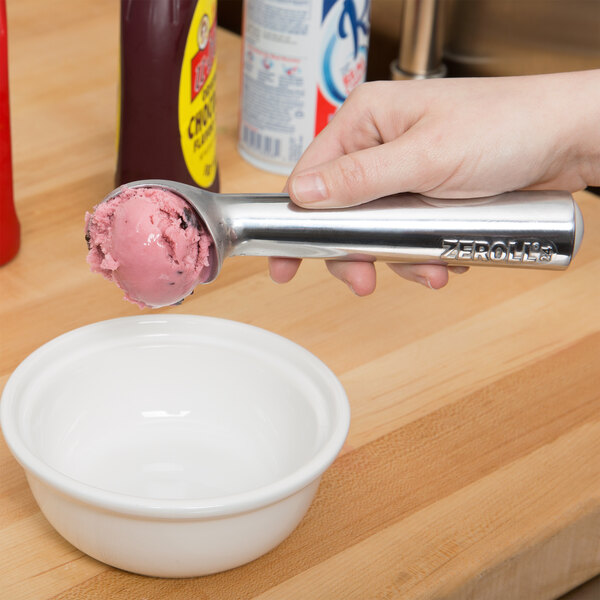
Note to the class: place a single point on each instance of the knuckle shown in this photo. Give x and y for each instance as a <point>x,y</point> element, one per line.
<point>361,95</point>
<point>351,174</point>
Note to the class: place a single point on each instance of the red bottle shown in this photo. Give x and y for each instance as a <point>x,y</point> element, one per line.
<point>10,235</point>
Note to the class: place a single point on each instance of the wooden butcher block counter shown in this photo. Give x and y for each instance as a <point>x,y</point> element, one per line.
<point>471,469</point>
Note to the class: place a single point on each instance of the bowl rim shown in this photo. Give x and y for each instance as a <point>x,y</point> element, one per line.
<point>176,508</point>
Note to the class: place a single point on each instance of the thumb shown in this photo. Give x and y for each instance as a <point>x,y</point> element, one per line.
<point>406,164</point>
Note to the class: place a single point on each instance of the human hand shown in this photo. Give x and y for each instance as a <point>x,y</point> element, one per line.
<point>448,138</point>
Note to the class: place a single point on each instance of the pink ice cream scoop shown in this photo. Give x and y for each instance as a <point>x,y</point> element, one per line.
<point>158,239</point>
<point>149,242</point>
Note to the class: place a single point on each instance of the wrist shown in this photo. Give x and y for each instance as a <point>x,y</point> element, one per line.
<point>582,131</point>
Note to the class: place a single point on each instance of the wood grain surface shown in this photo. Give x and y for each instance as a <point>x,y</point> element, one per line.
<point>471,469</point>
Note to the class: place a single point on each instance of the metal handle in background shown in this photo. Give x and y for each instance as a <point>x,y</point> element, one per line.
<point>421,41</point>
<point>524,229</point>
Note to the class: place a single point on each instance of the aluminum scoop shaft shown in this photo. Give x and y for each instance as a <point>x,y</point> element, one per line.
<point>527,229</point>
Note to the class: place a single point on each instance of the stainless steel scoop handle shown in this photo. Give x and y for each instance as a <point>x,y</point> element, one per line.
<point>529,229</point>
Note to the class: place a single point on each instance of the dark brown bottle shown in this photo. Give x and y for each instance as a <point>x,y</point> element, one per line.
<point>167,127</point>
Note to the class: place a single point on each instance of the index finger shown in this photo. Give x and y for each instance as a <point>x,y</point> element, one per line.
<point>350,129</point>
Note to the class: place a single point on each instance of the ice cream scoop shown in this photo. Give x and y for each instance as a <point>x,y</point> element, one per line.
<point>528,229</point>
<point>149,242</point>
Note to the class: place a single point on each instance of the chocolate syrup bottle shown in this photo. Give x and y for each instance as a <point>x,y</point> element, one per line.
<point>167,127</point>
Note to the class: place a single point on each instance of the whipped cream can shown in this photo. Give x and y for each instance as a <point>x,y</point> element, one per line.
<point>301,59</point>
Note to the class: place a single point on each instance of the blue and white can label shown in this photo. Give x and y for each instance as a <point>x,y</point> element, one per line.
<point>301,60</point>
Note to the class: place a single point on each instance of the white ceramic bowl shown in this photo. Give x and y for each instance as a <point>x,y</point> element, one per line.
<point>173,445</point>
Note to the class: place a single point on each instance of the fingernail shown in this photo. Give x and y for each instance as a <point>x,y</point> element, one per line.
<point>426,282</point>
<point>350,286</point>
<point>309,188</point>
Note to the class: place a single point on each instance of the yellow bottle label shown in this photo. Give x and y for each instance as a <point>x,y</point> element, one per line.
<point>197,125</point>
